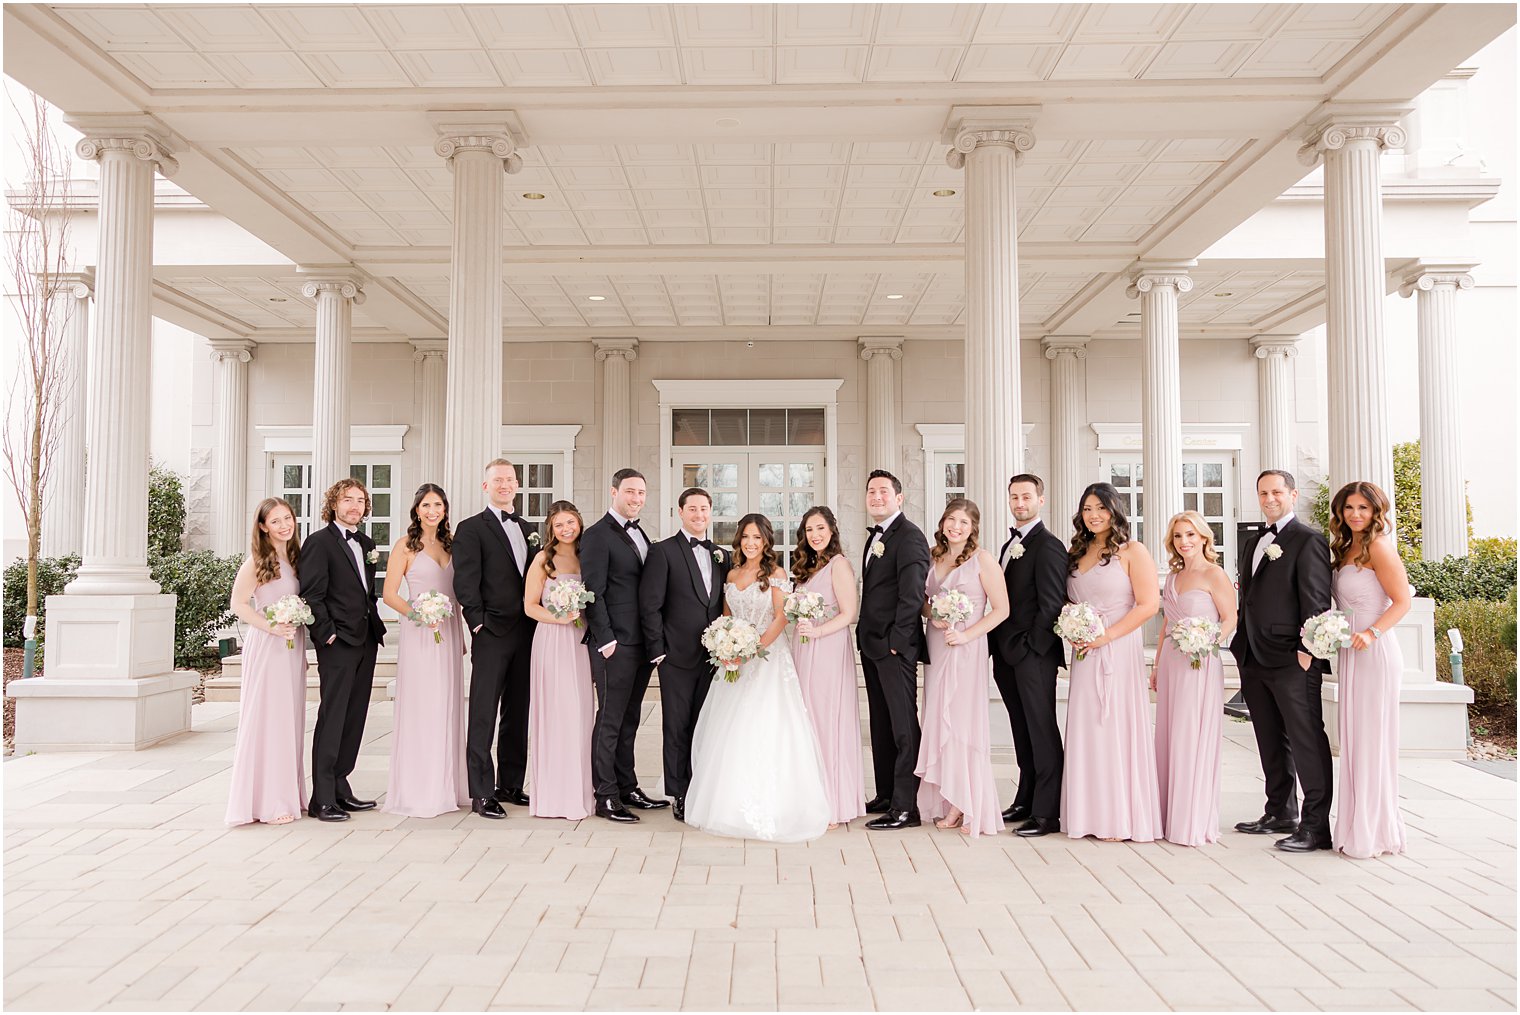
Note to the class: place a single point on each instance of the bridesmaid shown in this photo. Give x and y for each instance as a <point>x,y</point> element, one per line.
<point>955,751</point>
<point>268,771</point>
<point>826,663</point>
<point>1110,789</point>
<point>1189,702</point>
<point>1372,588</point>
<point>427,744</point>
<point>561,697</point>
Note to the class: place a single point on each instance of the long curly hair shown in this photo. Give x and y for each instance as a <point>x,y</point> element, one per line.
<point>1082,538</point>
<point>807,561</point>
<point>551,542</point>
<point>414,530</point>
<point>330,498</point>
<point>266,559</point>
<point>942,544</point>
<point>1342,539</point>
<point>768,559</point>
<point>1206,534</point>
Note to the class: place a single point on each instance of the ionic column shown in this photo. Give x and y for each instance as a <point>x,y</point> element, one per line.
<point>989,143</point>
<point>1351,138</point>
<point>615,355</point>
<point>478,154</point>
<point>1443,499</point>
<point>1157,285</point>
<point>881,356</point>
<point>335,296</point>
<point>63,500</point>
<point>230,524</point>
<point>1274,392</point>
<point>431,357</point>
<point>1064,484</point>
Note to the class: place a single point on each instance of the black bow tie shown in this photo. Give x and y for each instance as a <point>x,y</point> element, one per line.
<point>351,534</point>
<point>631,525</point>
<point>1272,528</point>
<point>510,516</point>
<point>875,529</point>
<point>706,544</point>
<point>1014,533</point>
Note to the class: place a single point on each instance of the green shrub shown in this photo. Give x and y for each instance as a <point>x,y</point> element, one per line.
<point>166,510</point>
<point>1455,579</point>
<point>1492,547</point>
<point>203,583</point>
<point>1488,662</point>
<point>53,573</point>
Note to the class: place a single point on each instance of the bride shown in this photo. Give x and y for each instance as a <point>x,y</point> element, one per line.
<point>757,772</point>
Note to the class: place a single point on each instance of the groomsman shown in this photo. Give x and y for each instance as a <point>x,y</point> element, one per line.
<point>338,583</point>
<point>1285,580</point>
<point>890,633</point>
<point>612,559</point>
<point>1026,653</point>
<point>680,593</point>
<point>491,556</point>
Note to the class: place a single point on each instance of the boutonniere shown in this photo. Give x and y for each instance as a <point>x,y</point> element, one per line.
<point>534,539</point>
<point>878,548</point>
<point>1016,551</point>
<point>373,556</point>
<point>1273,551</point>
<point>718,556</point>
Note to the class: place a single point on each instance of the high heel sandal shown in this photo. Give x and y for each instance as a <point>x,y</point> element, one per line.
<point>283,819</point>
<point>948,822</point>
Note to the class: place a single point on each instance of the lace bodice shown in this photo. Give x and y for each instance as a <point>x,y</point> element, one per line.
<point>754,603</point>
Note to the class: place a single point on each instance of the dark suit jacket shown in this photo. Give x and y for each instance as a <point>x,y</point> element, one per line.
<point>333,589</point>
<point>1036,592</point>
<point>487,582</point>
<point>892,595</point>
<point>675,605</point>
<point>610,568</point>
<point>1281,595</point>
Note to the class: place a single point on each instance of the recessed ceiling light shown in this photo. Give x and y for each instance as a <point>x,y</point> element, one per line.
<point>533,196</point>
<point>1223,296</point>
<point>278,299</point>
<point>728,121</point>
<point>944,193</point>
<point>596,299</point>
<point>894,296</point>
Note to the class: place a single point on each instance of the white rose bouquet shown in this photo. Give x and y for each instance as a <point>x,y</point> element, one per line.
<point>1079,624</point>
<point>1195,638</point>
<point>290,610</point>
<point>568,597</point>
<point>802,604</point>
<point>953,607</point>
<point>1326,633</point>
<point>431,609</point>
<point>730,643</point>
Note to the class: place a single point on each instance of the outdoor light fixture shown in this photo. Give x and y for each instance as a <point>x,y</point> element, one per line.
<point>596,299</point>
<point>278,299</point>
<point>944,193</point>
<point>894,296</point>
<point>1223,296</point>
<point>533,196</point>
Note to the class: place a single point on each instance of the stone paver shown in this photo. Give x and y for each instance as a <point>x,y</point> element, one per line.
<point>124,891</point>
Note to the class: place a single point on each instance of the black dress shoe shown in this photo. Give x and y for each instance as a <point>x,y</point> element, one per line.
<point>1016,812</point>
<point>512,796</point>
<point>1036,827</point>
<point>1267,825</point>
<point>327,812</point>
<point>893,820</point>
<point>1303,841</point>
<point>613,810</point>
<point>878,805</point>
<point>639,799</point>
<point>487,807</point>
<point>678,808</point>
<point>349,803</point>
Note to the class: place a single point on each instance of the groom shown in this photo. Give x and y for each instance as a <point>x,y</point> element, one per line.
<point>680,593</point>
<point>891,637</point>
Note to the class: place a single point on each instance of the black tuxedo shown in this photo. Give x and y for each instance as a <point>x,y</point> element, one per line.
<point>344,602</point>
<point>1284,698</point>
<point>611,568</point>
<point>489,586</point>
<point>1026,654</point>
<point>890,633</point>
<point>676,605</point>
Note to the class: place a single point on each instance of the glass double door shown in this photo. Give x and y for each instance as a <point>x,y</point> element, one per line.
<point>781,484</point>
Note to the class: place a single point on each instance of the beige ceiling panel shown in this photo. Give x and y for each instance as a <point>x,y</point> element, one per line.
<point>221,28</point>
<point>611,218</point>
<point>667,177</point>
<point>676,235</point>
<point>1082,196</point>
<point>322,27</point>
<point>1295,57</point>
<point>1117,61</point>
<point>321,201</point>
<point>723,24</point>
<point>889,152</point>
<point>1224,22</point>
<point>803,153</point>
<point>736,176</point>
<point>1203,59</point>
<point>740,234</point>
<point>866,234</point>
<point>655,154</point>
<point>443,68</point>
<point>727,66</point>
<point>1344,21</point>
<point>1008,63</point>
<point>821,65</point>
<point>1176,172</point>
<point>1028,23</point>
<point>303,179</point>
<point>739,216</point>
<point>737,153</point>
<point>1115,232</point>
<point>267,70</point>
<point>663,199</point>
<point>172,70</point>
<point>591,177</point>
<point>592,200</point>
<point>634,67</point>
<point>807,197</point>
<point>926,24</point>
<point>809,176</point>
<point>275,158</point>
<point>123,27</point>
<point>1129,22</point>
<point>522,26</point>
<point>399,201</point>
<point>352,158</point>
<point>802,234</point>
<point>623,25</point>
<point>542,68</point>
<point>1200,149</point>
<point>579,155</point>
<point>883,176</point>
<point>616,236</point>
<point>422,26</point>
<point>913,63</point>
<point>821,24</point>
<point>875,197</point>
<point>1089,173</point>
<point>803,216</point>
<point>373,178</point>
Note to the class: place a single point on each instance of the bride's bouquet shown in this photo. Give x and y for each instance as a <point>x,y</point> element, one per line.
<point>804,605</point>
<point>431,609</point>
<point>953,607</point>
<point>1079,624</point>
<point>289,610</point>
<point>1326,633</point>
<point>569,596</point>
<point>1195,638</point>
<point>730,643</point>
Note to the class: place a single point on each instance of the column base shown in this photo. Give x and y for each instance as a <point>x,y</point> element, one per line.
<point>55,714</point>
<point>112,580</point>
<point>109,637</point>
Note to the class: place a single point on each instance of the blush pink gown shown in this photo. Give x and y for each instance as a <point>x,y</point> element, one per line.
<point>1367,820</point>
<point>1109,788</point>
<point>955,750</point>
<point>1189,726</point>
<point>561,712</point>
<point>268,766</point>
<point>826,670</point>
<point>427,742</point>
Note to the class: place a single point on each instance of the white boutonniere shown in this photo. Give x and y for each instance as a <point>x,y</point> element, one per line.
<point>878,548</point>
<point>373,556</point>
<point>718,556</point>
<point>1273,551</point>
<point>1016,551</point>
<point>534,539</point>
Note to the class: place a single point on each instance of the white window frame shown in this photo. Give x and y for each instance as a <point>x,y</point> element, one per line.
<point>945,444</point>
<point>540,444</point>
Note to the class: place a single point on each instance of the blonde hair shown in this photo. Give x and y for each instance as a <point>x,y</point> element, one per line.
<point>1200,526</point>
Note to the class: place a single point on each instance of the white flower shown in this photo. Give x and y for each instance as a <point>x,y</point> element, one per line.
<point>373,556</point>
<point>431,609</point>
<point>1079,624</point>
<point>1273,551</point>
<point>1195,637</point>
<point>1016,550</point>
<point>952,606</point>
<point>1325,634</point>
<point>878,548</point>
<point>534,539</point>
<point>718,556</point>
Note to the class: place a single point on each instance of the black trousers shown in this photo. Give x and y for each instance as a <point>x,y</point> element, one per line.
<point>499,681</point>
<point>892,696</point>
<point>620,685</point>
<point>346,674</point>
<point>1288,718</point>
<point>682,692</point>
<point>1028,688</point>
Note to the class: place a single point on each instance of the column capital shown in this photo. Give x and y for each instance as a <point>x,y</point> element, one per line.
<point>1423,276</point>
<point>1148,275</point>
<point>626,349</point>
<point>872,346</point>
<point>425,348</point>
<point>1056,346</point>
<point>498,133</point>
<point>348,285</point>
<point>1267,346</point>
<point>1340,123</point>
<point>78,284</point>
<point>971,127</point>
<point>143,145</point>
<point>236,349</point>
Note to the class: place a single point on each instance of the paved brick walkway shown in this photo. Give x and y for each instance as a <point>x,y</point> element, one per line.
<point>124,891</point>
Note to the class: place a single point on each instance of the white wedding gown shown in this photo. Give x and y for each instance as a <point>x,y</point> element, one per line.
<point>756,770</point>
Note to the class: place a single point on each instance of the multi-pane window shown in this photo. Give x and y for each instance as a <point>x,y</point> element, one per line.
<point>536,489</point>
<point>387,519</point>
<point>1206,485</point>
<point>953,474</point>
<point>728,428</point>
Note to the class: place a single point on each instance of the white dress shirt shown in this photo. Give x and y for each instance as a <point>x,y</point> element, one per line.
<point>1266,540</point>
<point>637,535</point>
<point>1023,535</point>
<point>704,559</point>
<point>515,537</point>
<point>358,552</point>
<point>885,524</point>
